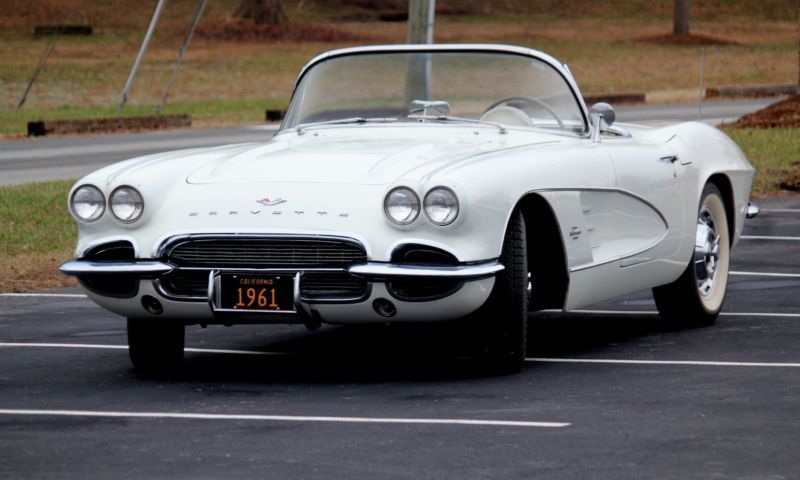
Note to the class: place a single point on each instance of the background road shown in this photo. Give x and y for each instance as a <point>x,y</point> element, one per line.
<point>607,393</point>
<point>72,157</point>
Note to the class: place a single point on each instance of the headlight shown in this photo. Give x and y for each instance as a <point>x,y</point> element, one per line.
<point>401,205</point>
<point>126,204</point>
<point>441,206</point>
<point>87,203</point>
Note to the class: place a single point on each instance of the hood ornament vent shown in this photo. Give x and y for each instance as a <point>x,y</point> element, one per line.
<point>271,202</point>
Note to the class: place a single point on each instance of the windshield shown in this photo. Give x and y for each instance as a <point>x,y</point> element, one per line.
<point>503,88</point>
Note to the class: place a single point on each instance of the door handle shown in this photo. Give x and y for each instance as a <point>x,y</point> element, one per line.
<point>669,159</point>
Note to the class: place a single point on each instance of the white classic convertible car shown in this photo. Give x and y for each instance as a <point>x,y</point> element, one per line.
<point>414,183</point>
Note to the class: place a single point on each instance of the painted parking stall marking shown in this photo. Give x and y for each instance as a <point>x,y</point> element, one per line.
<point>769,237</point>
<point>45,295</point>
<point>533,359</point>
<point>125,347</point>
<point>664,362</point>
<point>285,418</point>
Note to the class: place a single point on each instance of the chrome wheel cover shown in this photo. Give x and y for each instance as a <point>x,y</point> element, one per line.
<point>706,252</point>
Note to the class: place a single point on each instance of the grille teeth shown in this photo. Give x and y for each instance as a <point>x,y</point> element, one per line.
<point>266,253</point>
<point>313,285</point>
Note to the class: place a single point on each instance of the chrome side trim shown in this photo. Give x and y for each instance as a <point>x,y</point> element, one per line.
<point>752,210</point>
<point>141,268</point>
<point>383,270</point>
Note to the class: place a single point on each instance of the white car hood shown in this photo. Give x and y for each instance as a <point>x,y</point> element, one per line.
<point>365,155</point>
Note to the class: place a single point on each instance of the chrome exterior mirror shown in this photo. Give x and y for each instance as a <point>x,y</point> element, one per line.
<point>599,114</point>
<point>604,109</point>
<point>432,107</point>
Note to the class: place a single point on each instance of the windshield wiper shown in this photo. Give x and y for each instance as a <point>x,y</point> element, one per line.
<point>447,118</point>
<point>340,121</point>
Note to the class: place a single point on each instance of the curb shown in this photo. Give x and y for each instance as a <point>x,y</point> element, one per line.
<point>615,98</point>
<point>720,92</point>
<point>751,91</point>
<point>58,127</point>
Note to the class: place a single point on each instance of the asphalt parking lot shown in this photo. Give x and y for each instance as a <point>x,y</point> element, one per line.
<point>607,393</point>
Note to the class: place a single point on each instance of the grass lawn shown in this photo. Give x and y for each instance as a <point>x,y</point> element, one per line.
<point>37,233</point>
<point>774,153</point>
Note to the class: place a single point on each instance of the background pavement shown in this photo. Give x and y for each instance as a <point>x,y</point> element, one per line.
<point>631,397</point>
<point>42,159</point>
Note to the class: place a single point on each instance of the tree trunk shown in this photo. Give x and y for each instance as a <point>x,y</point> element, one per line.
<point>681,20</point>
<point>262,12</point>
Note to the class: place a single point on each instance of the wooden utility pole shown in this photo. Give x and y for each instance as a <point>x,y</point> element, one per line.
<point>680,24</point>
<point>262,12</point>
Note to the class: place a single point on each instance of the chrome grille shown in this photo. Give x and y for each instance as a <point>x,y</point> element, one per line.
<point>325,285</point>
<point>266,252</point>
<point>313,285</point>
<point>197,256</point>
<point>186,283</point>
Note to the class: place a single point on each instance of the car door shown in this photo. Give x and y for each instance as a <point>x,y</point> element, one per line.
<point>651,224</point>
<point>633,229</point>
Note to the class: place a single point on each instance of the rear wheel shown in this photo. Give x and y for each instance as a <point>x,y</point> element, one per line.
<point>695,299</point>
<point>155,345</point>
<point>501,323</point>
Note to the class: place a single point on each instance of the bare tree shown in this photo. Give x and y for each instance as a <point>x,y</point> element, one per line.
<point>262,12</point>
<point>680,24</point>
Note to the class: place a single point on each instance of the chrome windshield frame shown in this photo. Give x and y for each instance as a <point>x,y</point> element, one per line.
<point>450,48</point>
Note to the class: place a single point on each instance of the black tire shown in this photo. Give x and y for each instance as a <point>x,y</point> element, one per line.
<point>501,323</point>
<point>155,345</point>
<point>696,298</point>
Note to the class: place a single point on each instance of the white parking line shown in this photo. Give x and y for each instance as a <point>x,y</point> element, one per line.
<point>769,237</point>
<point>45,295</point>
<point>665,362</point>
<point>125,347</point>
<point>535,359</point>
<point>653,312</point>
<point>286,418</point>
<point>765,274</point>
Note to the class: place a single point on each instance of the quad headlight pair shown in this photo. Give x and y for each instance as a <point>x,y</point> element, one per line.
<point>88,203</point>
<point>402,206</point>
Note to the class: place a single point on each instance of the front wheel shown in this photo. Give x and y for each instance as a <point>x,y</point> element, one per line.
<point>501,323</point>
<point>155,345</point>
<point>695,299</point>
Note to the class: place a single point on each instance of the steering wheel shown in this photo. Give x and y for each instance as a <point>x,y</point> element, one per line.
<point>534,101</point>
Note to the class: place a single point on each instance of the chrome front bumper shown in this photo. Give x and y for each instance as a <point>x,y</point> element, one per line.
<point>752,210</point>
<point>476,282</point>
<point>369,270</point>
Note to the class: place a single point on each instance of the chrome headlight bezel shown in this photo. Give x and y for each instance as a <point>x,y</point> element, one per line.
<point>411,196</point>
<point>438,197</point>
<point>138,204</point>
<point>98,214</point>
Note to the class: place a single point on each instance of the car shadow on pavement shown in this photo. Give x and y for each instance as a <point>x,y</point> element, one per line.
<point>378,353</point>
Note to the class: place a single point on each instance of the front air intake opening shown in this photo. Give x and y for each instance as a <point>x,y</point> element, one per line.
<point>121,250</point>
<point>423,255</point>
<point>111,284</point>
<point>422,289</point>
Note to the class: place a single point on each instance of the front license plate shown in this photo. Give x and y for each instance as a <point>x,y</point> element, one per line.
<point>257,293</point>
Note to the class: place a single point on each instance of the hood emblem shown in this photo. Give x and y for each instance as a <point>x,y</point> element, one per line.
<point>271,202</point>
